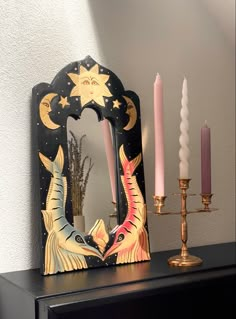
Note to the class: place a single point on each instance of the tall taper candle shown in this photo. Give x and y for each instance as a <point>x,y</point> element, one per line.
<point>159,136</point>
<point>184,151</point>
<point>110,155</point>
<point>206,159</point>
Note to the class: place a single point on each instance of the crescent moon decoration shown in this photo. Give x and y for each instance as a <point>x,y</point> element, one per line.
<point>90,85</point>
<point>131,111</point>
<point>45,109</point>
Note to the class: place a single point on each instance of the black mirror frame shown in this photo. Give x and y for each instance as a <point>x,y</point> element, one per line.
<point>63,247</point>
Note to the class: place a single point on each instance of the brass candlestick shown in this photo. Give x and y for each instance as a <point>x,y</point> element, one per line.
<point>184,259</point>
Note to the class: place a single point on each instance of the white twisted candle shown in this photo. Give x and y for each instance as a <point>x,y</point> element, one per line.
<point>184,151</point>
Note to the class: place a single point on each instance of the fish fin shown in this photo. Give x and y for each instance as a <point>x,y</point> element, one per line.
<point>142,252</point>
<point>135,163</point>
<point>70,261</point>
<point>138,250</point>
<point>59,159</point>
<point>99,234</point>
<point>47,217</point>
<point>65,190</point>
<point>46,162</point>
<point>58,259</point>
<point>49,192</point>
<point>132,164</point>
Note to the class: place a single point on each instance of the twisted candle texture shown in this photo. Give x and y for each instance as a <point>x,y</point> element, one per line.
<point>184,151</point>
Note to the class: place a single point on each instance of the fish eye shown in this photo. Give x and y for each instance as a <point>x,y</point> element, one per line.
<point>79,239</point>
<point>120,237</point>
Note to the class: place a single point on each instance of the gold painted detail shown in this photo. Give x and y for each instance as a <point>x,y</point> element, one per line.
<point>45,109</point>
<point>99,234</point>
<point>90,85</point>
<point>132,112</point>
<point>116,104</point>
<point>131,238</point>
<point>66,247</point>
<point>63,101</point>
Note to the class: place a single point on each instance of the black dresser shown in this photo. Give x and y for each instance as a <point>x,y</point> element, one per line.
<point>149,289</point>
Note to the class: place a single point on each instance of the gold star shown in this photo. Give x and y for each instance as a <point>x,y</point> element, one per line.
<point>64,102</point>
<point>116,104</point>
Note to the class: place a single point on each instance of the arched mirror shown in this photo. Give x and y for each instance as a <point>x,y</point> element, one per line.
<point>89,172</point>
<point>79,88</point>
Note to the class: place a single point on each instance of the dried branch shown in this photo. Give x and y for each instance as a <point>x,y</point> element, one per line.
<point>78,172</point>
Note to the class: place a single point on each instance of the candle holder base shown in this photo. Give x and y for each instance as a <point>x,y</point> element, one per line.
<point>206,201</point>
<point>159,203</point>
<point>184,261</point>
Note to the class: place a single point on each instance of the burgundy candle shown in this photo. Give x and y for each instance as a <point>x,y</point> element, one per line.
<point>206,159</point>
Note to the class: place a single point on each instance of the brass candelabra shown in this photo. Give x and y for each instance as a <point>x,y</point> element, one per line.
<point>184,259</point>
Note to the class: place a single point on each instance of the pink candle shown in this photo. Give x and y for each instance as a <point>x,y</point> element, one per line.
<point>206,159</point>
<point>110,156</point>
<point>159,137</point>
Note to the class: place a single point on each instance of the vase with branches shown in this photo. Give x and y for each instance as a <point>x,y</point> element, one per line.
<point>80,167</point>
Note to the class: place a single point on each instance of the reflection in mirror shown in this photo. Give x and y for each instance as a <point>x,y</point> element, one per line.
<point>98,195</point>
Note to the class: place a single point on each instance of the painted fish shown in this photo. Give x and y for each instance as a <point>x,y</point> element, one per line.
<point>131,238</point>
<point>65,246</point>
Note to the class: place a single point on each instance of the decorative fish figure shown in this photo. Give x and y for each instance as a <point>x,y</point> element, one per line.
<point>131,238</point>
<point>65,246</point>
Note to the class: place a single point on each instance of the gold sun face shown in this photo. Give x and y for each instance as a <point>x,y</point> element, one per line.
<point>90,85</point>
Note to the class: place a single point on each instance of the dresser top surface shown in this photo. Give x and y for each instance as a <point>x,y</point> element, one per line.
<point>218,256</point>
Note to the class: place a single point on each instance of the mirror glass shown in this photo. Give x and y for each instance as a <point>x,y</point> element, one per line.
<point>97,203</point>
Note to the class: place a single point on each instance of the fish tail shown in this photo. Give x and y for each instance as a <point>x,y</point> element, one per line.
<point>132,164</point>
<point>99,234</point>
<point>46,162</point>
<point>143,249</point>
<point>47,220</point>
<point>59,160</point>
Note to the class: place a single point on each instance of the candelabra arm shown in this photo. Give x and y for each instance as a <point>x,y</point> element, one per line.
<point>184,258</point>
<point>159,203</point>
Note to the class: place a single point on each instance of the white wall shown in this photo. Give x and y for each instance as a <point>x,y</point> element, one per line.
<point>135,39</point>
